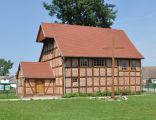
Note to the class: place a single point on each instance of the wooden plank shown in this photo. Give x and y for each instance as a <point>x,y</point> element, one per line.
<point>43,81</point>
<point>100,76</point>
<point>71,74</point>
<point>48,87</point>
<point>50,59</point>
<point>54,84</point>
<point>106,73</point>
<point>79,75</point>
<point>57,66</point>
<point>135,81</point>
<point>86,74</point>
<point>118,73</point>
<point>99,80</point>
<point>103,86</point>
<point>140,75</point>
<point>93,75</point>
<point>31,87</point>
<point>24,87</point>
<point>124,78</point>
<point>129,76</point>
<point>63,75</point>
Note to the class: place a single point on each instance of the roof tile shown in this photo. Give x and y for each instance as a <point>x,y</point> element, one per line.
<point>36,70</point>
<point>82,41</point>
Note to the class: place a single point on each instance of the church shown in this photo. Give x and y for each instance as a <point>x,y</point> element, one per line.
<point>78,59</point>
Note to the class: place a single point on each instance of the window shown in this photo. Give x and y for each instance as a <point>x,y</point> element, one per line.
<point>133,65</point>
<point>124,64</point>
<point>74,79</point>
<point>109,62</point>
<point>83,62</point>
<point>99,62</point>
<point>48,46</point>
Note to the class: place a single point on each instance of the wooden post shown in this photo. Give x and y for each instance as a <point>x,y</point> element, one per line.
<point>113,65</point>
<point>64,77</point>
<point>78,75</point>
<point>71,73</point>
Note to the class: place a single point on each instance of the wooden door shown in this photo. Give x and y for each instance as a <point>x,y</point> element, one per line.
<point>39,87</point>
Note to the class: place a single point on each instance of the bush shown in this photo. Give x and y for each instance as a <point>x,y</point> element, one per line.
<point>138,93</point>
<point>108,93</point>
<point>117,92</point>
<point>125,91</point>
<point>101,93</point>
<point>83,95</point>
<point>95,94</point>
<point>70,95</point>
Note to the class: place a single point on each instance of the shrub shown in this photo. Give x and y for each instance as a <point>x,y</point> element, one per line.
<point>125,91</point>
<point>138,93</point>
<point>98,93</point>
<point>101,93</point>
<point>117,92</point>
<point>82,95</point>
<point>70,95</point>
<point>108,93</point>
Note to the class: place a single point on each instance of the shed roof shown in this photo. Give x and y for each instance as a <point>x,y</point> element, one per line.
<point>82,41</point>
<point>36,70</point>
<point>149,72</point>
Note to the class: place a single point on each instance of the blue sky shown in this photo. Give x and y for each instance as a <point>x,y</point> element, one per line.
<point>20,20</point>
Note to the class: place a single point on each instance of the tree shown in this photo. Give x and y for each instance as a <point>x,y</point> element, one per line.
<point>5,66</point>
<point>82,12</point>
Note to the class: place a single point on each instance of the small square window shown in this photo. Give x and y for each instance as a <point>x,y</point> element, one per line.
<point>83,62</point>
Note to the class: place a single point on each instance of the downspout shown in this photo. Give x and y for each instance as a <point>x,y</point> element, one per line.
<point>64,75</point>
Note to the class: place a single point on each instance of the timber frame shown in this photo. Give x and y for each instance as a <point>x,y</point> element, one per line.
<point>71,75</point>
<point>131,79</point>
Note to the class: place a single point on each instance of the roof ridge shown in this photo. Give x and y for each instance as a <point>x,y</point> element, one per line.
<point>33,62</point>
<point>81,26</point>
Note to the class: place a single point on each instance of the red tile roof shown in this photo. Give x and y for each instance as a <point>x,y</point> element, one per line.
<point>82,41</point>
<point>36,70</point>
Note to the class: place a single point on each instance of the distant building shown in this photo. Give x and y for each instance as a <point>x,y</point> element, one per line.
<point>149,74</point>
<point>11,80</point>
<point>77,58</point>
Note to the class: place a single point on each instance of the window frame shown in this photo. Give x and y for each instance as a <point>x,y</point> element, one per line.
<point>84,62</point>
<point>124,65</point>
<point>134,67</point>
<point>99,62</point>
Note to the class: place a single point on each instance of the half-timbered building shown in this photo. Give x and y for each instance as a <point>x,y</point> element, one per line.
<point>79,59</point>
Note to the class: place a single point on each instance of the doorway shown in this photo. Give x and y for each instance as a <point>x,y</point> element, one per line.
<point>39,87</point>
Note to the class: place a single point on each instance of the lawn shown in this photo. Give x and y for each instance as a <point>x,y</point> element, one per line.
<point>8,95</point>
<point>135,108</point>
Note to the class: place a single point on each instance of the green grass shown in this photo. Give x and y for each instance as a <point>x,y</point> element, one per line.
<point>135,108</point>
<point>8,95</point>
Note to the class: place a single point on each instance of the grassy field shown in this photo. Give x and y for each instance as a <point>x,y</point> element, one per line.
<point>8,95</point>
<point>135,108</point>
